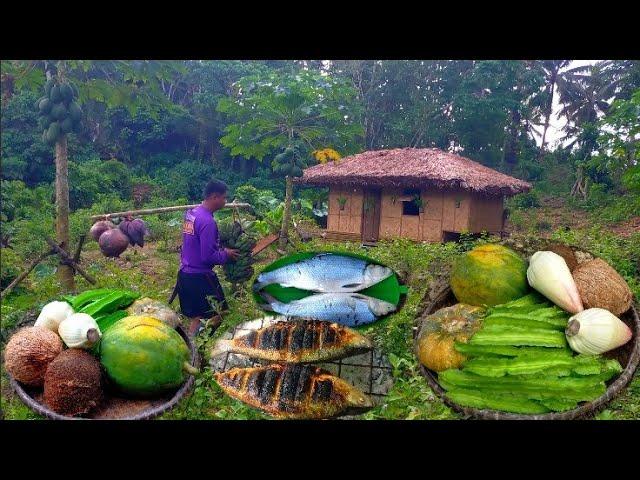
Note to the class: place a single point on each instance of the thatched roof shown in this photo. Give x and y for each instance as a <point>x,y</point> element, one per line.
<point>413,168</point>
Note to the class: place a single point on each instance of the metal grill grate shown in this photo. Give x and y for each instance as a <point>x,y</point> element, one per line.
<point>371,372</point>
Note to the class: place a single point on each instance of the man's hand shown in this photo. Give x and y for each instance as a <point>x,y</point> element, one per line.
<point>232,253</point>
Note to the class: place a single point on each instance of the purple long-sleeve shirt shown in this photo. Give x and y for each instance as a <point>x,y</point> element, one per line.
<point>201,248</point>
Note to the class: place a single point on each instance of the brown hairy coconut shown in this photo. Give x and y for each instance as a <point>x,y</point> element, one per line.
<point>29,352</point>
<point>99,228</point>
<point>73,383</point>
<point>566,253</point>
<point>113,242</point>
<point>600,286</point>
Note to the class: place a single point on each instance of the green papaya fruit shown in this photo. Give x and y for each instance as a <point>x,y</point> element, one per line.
<point>144,357</point>
<point>66,126</point>
<point>53,132</point>
<point>55,96</point>
<point>59,112</point>
<point>37,104</point>
<point>67,92</point>
<point>48,86</point>
<point>44,106</point>
<point>75,112</point>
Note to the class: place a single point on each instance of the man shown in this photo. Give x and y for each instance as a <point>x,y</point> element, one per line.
<point>201,250</point>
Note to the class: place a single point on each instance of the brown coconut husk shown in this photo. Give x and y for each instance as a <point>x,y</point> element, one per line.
<point>600,286</point>
<point>566,253</point>
<point>29,352</point>
<point>73,383</point>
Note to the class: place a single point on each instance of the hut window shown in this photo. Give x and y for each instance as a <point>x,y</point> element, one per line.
<point>409,206</point>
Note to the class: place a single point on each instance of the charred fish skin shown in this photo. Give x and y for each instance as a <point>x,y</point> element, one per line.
<point>349,309</point>
<point>326,273</point>
<point>302,341</point>
<point>293,391</point>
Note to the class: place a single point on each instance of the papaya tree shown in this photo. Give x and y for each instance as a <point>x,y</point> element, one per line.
<point>67,84</point>
<point>284,116</point>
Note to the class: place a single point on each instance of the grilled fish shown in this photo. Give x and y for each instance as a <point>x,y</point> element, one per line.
<point>326,273</point>
<point>350,309</point>
<point>293,391</point>
<point>305,341</point>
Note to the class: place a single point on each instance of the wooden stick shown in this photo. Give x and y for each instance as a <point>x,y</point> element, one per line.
<point>151,211</point>
<point>76,256</point>
<point>65,256</point>
<point>24,274</point>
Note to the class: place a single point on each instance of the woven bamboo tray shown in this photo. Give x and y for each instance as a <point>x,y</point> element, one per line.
<point>116,407</point>
<point>628,355</point>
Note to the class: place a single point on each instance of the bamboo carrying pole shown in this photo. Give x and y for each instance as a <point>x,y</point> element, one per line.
<point>151,211</point>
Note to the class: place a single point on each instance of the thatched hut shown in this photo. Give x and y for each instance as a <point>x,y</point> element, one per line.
<point>424,194</point>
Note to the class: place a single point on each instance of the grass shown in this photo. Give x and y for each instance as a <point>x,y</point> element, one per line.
<point>152,272</point>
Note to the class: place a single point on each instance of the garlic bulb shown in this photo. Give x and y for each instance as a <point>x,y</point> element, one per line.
<point>53,314</point>
<point>79,331</point>
<point>596,331</point>
<point>548,274</point>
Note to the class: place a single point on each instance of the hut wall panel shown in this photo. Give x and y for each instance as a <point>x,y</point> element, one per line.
<point>432,200</point>
<point>448,211</point>
<point>356,202</point>
<point>461,215</point>
<point>390,227</point>
<point>411,227</point>
<point>486,214</point>
<point>333,219</point>
<point>334,194</point>
<point>431,230</point>
<point>355,224</point>
<point>344,223</point>
<point>387,207</point>
<point>349,219</point>
<point>333,222</point>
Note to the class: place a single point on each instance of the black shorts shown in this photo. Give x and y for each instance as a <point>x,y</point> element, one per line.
<point>193,292</point>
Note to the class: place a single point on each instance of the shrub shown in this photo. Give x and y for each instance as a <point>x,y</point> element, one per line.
<point>9,266</point>
<point>525,200</point>
<point>88,180</point>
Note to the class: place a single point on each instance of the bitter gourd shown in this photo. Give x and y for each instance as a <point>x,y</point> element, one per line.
<point>533,386</point>
<point>523,322</point>
<point>495,401</point>
<point>516,336</point>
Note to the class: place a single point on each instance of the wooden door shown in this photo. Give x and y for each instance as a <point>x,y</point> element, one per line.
<point>370,215</point>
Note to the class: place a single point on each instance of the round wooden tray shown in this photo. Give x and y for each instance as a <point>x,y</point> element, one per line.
<point>116,407</point>
<point>628,355</point>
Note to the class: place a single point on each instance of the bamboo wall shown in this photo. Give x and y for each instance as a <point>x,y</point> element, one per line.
<point>348,220</point>
<point>474,214</point>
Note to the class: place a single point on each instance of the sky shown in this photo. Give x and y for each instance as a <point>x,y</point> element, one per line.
<point>555,134</point>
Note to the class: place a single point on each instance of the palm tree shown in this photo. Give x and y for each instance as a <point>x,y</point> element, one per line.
<point>585,93</point>
<point>551,71</point>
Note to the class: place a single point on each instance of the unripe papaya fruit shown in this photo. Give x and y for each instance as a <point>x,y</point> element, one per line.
<point>55,96</point>
<point>59,112</point>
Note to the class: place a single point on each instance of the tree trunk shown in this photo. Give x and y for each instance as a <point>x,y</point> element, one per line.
<point>548,112</point>
<point>65,272</point>
<point>510,148</point>
<point>286,216</point>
